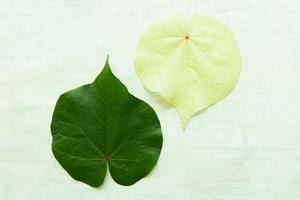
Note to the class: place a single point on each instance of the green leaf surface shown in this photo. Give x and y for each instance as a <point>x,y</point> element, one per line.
<point>191,62</point>
<point>101,124</point>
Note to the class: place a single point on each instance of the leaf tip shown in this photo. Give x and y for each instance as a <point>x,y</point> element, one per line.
<point>184,122</point>
<point>184,118</point>
<point>107,59</point>
<point>106,65</point>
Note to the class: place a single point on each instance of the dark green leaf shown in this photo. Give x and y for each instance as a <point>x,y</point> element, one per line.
<point>101,124</point>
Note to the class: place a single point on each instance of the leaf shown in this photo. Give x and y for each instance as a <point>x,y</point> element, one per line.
<point>191,63</point>
<point>101,124</point>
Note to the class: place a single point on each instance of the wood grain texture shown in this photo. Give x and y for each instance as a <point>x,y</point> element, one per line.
<point>246,147</point>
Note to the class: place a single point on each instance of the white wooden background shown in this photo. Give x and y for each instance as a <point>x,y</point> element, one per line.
<point>247,147</point>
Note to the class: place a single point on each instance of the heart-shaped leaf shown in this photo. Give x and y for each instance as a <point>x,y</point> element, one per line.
<point>192,63</point>
<point>101,124</point>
